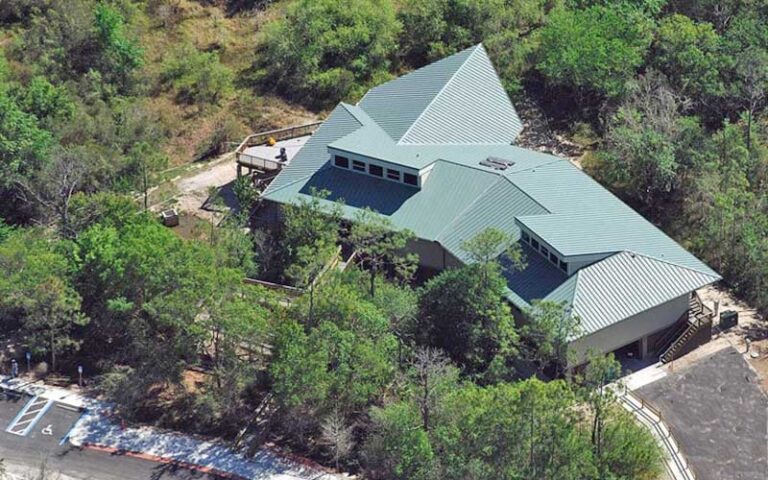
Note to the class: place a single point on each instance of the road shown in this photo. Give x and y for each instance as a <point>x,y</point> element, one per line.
<point>26,453</point>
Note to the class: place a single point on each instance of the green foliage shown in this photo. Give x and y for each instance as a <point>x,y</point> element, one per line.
<point>323,51</point>
<point>597,49</point>
<point>464,313</point>
<point>120,54</point>
<point>309,237</point>
<point>690,55</point>
<point>474,425</point>
<point>49,103</point>
<point>198,77</point>
<point>433,29</point>
<point>79,37</point>
<point>549,327</point>
<point>341,364</point>
<point>24,144</point>
<point>381,246</point>
<point>37,291</point>
<point>629,451</point>
<point>648,142</point>
<point>397,448</point>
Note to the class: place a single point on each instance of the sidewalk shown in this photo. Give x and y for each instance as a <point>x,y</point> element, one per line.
<point>98,430</point>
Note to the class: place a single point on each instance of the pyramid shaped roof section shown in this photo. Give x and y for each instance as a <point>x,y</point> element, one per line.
<point>449,102</point>
<point>624,285</point>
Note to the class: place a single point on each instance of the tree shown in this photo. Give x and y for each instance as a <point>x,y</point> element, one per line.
<point>49,103</point>
<point>313,224</point>
<point>397,447</point>
<point>432,376</point>
<point>310,240</point>
<point>489,246</point>
<point>596,49</point>
<point>53,187</point>
<point>24,144</point>
<point>37,290</point>
<point>119,54</point>
<point>752,68</point>
<point>548,329</point>
<point>52,312</point>
<point>463,312</point>
<point>689,54</point>
<point>601,371</point>
<point>649,146</point>
<point>337,435</point>
<point>325,50</point>
<point>381,246</point>
<point>434,29</point>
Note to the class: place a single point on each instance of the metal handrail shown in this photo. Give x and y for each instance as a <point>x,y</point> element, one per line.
<point>665,433</point>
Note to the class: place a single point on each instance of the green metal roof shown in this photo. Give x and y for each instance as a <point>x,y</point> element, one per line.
<point>447,102</point>
<point>623,285</point>
<point>460,198</point>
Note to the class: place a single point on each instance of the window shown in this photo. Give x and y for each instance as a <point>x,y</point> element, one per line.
<point>544,251</point>
<point>359,166</point>
<point>553,258</point>
<point>535,244</point>
<point>563,266</point>
<point>526,237</point>
<point>393,174</point>
<point>342,162</point>
<point>375,170</point>
<point>410,179</point>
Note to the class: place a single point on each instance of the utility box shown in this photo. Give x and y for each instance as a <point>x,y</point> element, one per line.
<point>728,319</point>
<point>170,217</point>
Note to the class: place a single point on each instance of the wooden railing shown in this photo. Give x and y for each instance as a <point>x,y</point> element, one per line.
<point>261,138</point>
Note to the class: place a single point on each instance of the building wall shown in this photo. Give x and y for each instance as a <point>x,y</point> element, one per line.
<point>631,329</point>
<point>432,255</point>
<point>577,262</point>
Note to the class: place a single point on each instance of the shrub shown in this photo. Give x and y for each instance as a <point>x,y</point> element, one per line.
<point>199,77</point>
<point>326,50</point>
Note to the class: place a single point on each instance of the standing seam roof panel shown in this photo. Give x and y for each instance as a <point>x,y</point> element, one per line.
<point>461,111</point>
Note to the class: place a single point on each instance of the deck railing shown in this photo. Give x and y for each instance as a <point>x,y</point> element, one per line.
<point>253,161</point>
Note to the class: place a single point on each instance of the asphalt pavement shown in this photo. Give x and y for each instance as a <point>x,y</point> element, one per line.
<point>45,442</point>
<point>718,415</point>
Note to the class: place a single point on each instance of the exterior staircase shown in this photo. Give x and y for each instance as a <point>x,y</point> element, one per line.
<point>699,318</point>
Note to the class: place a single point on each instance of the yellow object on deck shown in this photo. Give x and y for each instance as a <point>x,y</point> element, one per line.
<point>271,141</point>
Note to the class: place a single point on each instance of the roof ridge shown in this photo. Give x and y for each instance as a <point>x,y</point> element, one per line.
<point>442,89</point>
<point>661,260</point>
<point>549,212</point>
<point>471,204</point>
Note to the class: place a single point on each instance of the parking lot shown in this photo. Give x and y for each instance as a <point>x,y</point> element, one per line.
<point>717,413</point>
<point>34,431</point>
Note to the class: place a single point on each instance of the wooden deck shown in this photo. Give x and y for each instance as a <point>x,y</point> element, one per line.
<point>245,157</point>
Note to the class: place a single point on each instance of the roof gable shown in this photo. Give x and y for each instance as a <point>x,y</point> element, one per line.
<point>447,102</point>
<point>624,285</point>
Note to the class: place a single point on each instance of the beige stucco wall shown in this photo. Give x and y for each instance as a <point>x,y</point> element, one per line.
<point>630,330</point>
<point>431,254</point>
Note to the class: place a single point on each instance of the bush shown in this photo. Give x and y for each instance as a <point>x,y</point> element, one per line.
<point>325,50</point>
<point>597,49</point>
<point>199,77</point>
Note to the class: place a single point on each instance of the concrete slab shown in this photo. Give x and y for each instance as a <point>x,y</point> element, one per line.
<point>718,414</point>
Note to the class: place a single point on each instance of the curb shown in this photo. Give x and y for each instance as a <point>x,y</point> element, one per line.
<point>164,460</point>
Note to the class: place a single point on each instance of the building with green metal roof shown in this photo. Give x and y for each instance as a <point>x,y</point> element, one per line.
<point>434,152</point>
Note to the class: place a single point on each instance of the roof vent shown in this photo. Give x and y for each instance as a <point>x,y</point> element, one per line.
<point>497,163</point>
